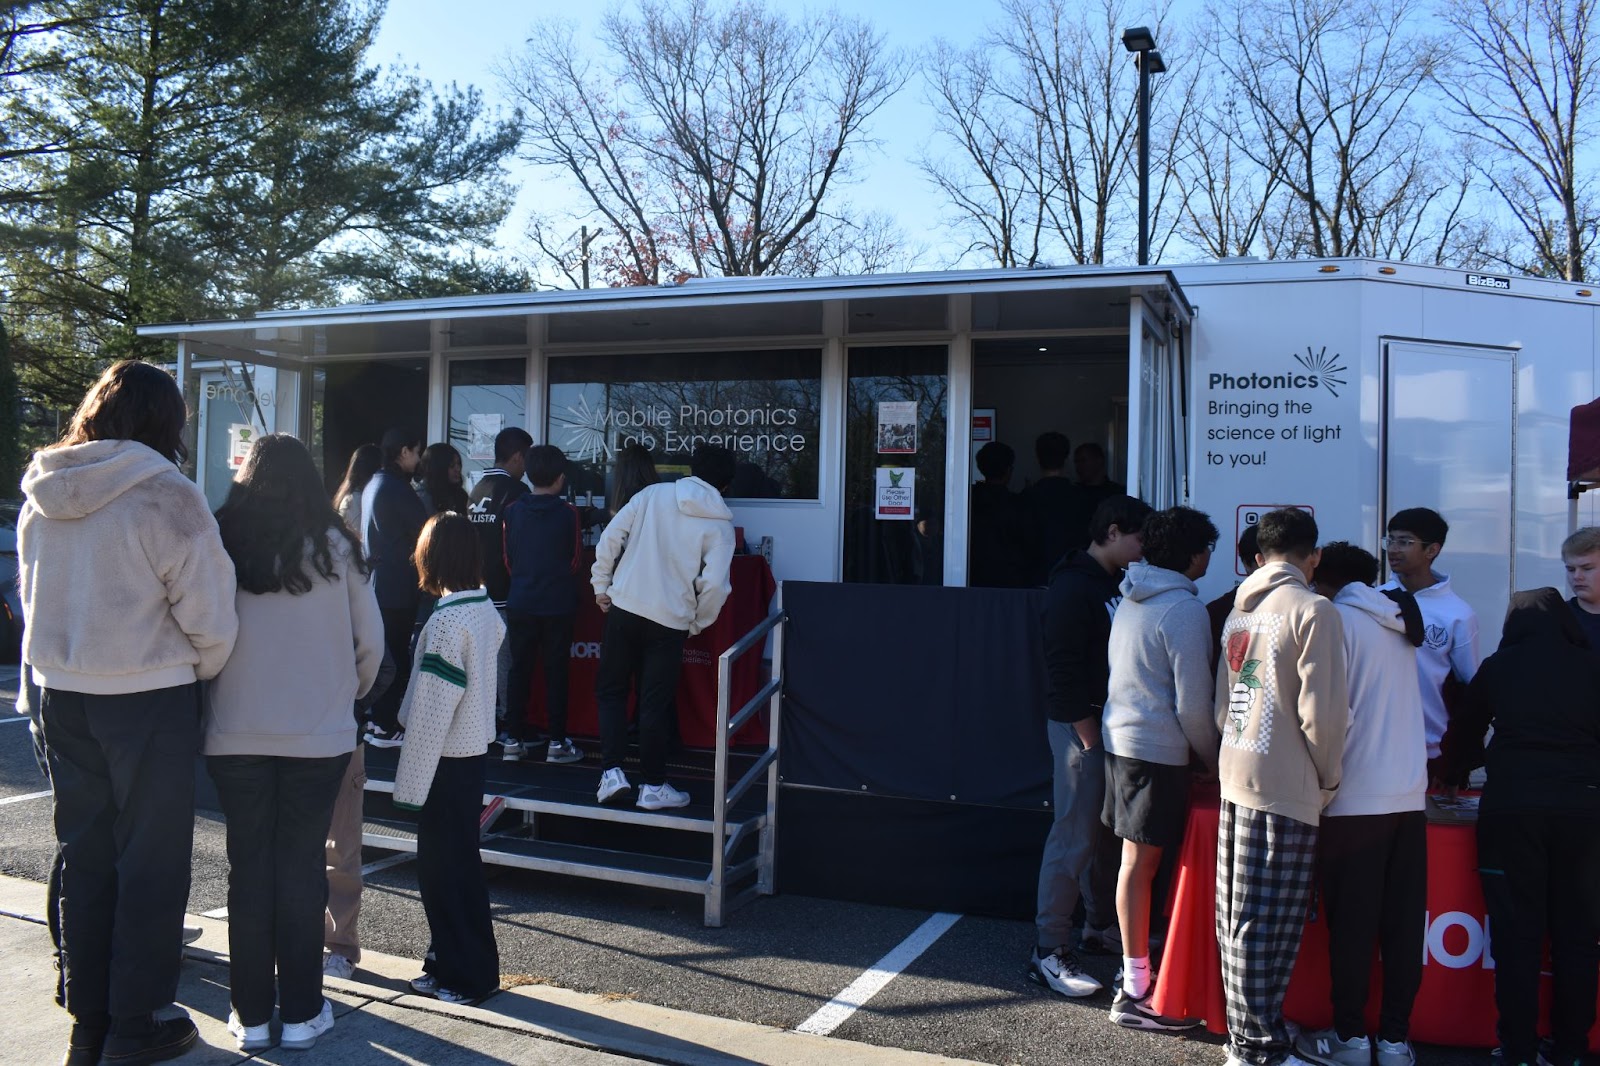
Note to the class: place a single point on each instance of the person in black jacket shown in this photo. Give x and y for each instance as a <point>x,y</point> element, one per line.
<point>1539,821</point>
<point>543,544</point>
<point>1002,535</point>
<point>394,515</point>
<point>499,487</point>
<point>1051,502</point>
<point>1080,855</point>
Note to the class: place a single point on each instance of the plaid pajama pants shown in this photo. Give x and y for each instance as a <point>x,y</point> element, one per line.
<point>1265,864</point>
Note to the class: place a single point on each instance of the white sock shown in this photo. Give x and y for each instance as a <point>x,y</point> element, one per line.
<point>1136,975</point>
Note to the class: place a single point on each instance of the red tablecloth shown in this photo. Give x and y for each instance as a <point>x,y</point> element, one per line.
<point>747,605</point>
<point>1455,1005</point>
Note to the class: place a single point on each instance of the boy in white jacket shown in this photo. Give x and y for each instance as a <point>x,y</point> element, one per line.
<point>1372,851</point>
<point>675,546</point>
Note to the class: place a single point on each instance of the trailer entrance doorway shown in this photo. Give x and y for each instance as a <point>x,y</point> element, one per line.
<point>1077,386</point>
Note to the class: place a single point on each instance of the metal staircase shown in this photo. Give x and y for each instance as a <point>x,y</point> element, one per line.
<point>552,822</point>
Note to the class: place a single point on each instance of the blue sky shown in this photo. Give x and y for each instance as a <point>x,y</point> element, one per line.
<point>461,45</point>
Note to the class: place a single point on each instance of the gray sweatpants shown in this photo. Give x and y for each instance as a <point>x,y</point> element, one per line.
<point>1080,854</point>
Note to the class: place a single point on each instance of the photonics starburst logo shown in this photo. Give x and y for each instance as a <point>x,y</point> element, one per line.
<point>1329,369</point>
<point>586,436</point>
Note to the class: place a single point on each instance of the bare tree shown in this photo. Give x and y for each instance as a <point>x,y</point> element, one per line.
<point>1524,87</point>
<point>711,140</point>
<point>1328,108</point>
<point>1038,123</point>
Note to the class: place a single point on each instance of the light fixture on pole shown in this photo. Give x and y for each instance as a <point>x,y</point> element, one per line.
<point>1142,44</point>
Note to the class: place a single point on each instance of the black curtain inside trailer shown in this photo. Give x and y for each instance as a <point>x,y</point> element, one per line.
<point>914,755</point>
<point>362,400</point>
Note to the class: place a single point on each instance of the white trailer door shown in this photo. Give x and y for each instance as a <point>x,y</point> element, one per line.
<point>1157,435</point>
<point>1448,442</point>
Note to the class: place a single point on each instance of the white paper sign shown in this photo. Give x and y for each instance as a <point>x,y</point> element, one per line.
<point>897,427</point>
<point>897,493</point>
<point>482,429</point>
<point>241,435</point>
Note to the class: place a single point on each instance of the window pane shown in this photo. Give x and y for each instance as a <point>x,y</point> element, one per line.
<point>764,406</point>
<point>486,396</point>
<point>883,548</point>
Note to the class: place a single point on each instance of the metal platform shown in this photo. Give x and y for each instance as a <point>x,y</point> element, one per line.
<point>539,801</point>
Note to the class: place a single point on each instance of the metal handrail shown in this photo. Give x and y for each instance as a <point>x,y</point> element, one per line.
<point>772,691</point>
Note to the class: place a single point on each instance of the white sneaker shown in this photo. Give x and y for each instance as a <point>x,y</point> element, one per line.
<point>249,1037</point>
<point>1325,1047</point>
<point>425,984</point>
<point>301,1035</point>
<point>511,750</point>
<point>1060,972</point>
<point>661,797</point>
<point>336,965</point>
<point>1289,1060</point>
<point>612,784</point>
<point>563,751</point>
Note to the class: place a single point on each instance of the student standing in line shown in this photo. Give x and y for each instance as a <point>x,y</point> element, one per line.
<point>1080,860</point>
<point>1219,609</point>
<point>279,731</point>
<point>394,514</point>
<point>1539,823</point>
<point>1051,502</point>
<point>543,545</point>
<point>439,475</point>
<point>449,718</point>
<point>675,546</point>
<point>1283,708</point>
<point>1002,550</point>
<point>499,487</point>
<point>1158,719</point>
<point>1449,653</point>
<point>128,594</point>
<point>365,461</point>
<point>1372,847</point>
<point>1581,555</point>
<point>635,471</point>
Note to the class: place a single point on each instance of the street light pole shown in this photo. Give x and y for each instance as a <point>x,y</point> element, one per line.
<point>1142,44</point>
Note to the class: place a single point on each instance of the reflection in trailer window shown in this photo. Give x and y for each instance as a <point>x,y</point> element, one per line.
<point>893,550</point>
<point>486,396</point>
<point>764,406</point>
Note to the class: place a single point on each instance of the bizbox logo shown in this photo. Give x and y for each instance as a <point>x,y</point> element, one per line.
<point>1322,371</point>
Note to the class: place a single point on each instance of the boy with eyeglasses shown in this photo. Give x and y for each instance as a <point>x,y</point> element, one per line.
<point>1450,644</point>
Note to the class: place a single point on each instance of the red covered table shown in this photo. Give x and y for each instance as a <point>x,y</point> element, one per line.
<point>747,605</point>
<point>1455,1005</point>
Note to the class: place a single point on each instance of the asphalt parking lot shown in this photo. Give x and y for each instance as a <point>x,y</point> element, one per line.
<point>776,962</point>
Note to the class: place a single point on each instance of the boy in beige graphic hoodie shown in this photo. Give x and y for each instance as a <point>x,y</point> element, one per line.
<point>1283,707</point>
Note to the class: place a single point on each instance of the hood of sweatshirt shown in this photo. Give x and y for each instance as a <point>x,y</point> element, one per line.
<point>1541,615</point>
<point>1144,582</point>
<point>80,479</point>
<point>697,499</point>
<point>1260,584</point>
<point>1368,600</point>
<point>1085,564</point>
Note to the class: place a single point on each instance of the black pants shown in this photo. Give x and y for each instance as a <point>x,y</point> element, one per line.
<point>637,649</point>
<point>1373,872</point>
<point>398,624</point>
<point>545,639</point>
<point>278,811</point>
<point>461,948</point>
<point>122,769</point>
<point>1541,876</point>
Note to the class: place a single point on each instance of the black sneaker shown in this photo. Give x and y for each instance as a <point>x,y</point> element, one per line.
<point>164,1040</point>
<point>1133,1013</point>
<point>85,1044</point>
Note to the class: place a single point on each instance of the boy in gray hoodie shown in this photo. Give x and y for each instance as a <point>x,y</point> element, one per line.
<point>1283,706</point>
<point>1157,716</point>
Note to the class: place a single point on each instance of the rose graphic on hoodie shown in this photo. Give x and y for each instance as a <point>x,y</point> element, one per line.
<point>1243,692</point>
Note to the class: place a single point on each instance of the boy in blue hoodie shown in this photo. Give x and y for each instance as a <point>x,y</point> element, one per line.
<point>542,544</point>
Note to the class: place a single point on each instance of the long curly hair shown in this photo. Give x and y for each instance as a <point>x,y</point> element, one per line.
<point>275,511</point>
<point>433,470</point>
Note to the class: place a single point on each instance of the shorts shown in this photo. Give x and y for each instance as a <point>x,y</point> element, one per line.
<point>1146,802</point>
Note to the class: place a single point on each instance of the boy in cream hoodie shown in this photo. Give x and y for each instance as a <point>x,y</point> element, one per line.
<point>1283,707</point>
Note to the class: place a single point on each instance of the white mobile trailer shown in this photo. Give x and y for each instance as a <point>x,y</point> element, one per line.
<point>1361,387</point>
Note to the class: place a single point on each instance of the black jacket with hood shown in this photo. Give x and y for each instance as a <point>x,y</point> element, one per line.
<point>1078,607</point>
<point>1541,691</point>
<point>495,491</point>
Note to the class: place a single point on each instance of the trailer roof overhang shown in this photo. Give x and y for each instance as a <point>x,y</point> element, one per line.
<point>1087,299</point>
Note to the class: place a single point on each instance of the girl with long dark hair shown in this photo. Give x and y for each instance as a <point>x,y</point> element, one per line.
<point>440,473</point>
<point>279,731</point>
<point>364,462</point>
<point>635,471</point>
<point>129,597</point>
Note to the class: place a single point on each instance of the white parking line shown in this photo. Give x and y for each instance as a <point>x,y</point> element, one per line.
<point>29,796</point>
<point>220,912</point>
<point>837,1010</point>
<point>383,864</point>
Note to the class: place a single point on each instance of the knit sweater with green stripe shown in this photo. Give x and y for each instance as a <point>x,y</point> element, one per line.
<point>449,706</point>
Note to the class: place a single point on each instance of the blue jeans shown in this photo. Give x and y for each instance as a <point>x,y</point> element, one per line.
<point>278,810</point>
